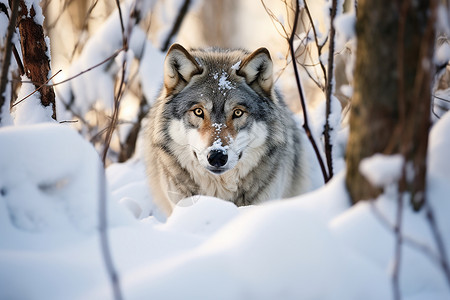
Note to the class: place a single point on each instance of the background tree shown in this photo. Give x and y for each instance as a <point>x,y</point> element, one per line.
<point>35,52</point>
<point>392,91</point>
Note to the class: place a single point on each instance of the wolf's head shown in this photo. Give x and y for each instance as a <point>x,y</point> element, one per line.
<point>218,106</point>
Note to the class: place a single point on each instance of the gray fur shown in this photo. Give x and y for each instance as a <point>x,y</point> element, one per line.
<point>277,172</point>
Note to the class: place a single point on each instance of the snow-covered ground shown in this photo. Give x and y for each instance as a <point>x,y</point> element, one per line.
<point>315,246</point>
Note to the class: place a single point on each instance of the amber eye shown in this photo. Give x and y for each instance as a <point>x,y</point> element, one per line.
<point>198,112</point>
<point>237,113</point>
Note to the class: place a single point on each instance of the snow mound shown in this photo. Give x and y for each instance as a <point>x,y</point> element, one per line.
<point>128,184</point>
<point>271,252</point>
<point>50,180</point>
<point>382,170</point>
<point>201,215</point>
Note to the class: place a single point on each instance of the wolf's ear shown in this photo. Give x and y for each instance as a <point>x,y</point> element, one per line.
<point>179,67</point>
<point>257,69</point>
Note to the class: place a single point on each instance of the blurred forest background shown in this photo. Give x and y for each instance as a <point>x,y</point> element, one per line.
<point>108,61</point>
<point>85,37</point>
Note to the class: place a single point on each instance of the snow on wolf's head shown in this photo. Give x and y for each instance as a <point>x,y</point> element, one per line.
<point>218,103</point>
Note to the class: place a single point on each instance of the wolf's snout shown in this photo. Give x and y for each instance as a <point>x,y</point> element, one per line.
<point>217,158</point>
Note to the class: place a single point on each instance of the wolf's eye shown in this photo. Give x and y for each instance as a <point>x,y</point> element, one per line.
<point>237,113</point>
<point>199,112</point>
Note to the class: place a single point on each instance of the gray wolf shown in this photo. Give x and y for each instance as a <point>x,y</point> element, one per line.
<point>220,128</point>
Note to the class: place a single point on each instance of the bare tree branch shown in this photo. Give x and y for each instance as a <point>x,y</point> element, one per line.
<point>439,241</point>
<point>318,46</point>
<point>36,90</point>
<point>113,275</point>
<point>398,243</point>
<point>302,97</point>
<point>84,27</point>
<point>89,69</point>
<point>129,147</point>
<point>329,91</point>
<point>274,20</point>
<point>104,241</point>
<point>407,240</point>
<point>176,26</point>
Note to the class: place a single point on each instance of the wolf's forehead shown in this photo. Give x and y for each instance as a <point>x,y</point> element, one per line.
<point>219,58</point>
<point>218,81</point>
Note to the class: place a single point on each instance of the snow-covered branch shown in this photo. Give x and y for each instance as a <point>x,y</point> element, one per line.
<point>6,59</point>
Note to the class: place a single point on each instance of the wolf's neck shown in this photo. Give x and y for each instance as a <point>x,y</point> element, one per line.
<point>222,186</point>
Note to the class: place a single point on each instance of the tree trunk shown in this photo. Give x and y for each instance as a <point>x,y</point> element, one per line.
<point>392,90</point>
<point>36,62</point>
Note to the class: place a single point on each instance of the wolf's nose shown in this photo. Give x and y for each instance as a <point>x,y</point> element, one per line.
<point>217,158</point>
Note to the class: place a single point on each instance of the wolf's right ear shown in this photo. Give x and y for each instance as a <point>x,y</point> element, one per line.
<point>179,67</point>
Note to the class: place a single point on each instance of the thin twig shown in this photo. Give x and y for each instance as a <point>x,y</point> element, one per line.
<point>443,99</point>
<point>89,69</point>
<point>177,24</point>
<point>9,42</point>
<point>122,27</point>
<point>302,97</point>
<point>407,240</point>
<point>115,115</point>
<point>113,275</point>
<point>329,92</point>
<point>120,91</point>
<point>104,241</point>
<point>398,240</point>
<point>69,107</point>
<point>36,90</point>
<point>59,14</point>
<point>274,19</point>
<point>83,27</point>
<point>439,241</point>
<point>318,46</point>
<point>18,60</point>
<point>318,84</point>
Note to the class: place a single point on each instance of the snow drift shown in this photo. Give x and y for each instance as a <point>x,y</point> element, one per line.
<point>312,247</point>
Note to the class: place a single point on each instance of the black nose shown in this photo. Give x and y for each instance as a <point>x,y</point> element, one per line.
<point>217,158</point>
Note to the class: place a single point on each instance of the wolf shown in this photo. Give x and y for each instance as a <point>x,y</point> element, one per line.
<point>220,128</point>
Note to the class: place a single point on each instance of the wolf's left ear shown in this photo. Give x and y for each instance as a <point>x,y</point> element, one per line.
<point>179,67</point>
<point>257,69</point>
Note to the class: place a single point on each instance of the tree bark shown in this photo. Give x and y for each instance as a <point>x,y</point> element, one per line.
<point>392,90</point>
<point>36,62</point>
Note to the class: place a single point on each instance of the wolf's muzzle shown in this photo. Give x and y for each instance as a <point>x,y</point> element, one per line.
<point>217,158</point>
